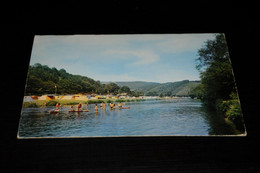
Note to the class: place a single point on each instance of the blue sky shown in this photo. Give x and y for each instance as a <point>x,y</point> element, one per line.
<point>142,57</point>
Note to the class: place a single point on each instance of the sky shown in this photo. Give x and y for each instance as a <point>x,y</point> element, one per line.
<point>138,57</point>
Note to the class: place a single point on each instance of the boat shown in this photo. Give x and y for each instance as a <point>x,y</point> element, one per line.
<point>126,107</point>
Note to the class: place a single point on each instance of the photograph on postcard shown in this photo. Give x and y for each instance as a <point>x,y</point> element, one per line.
<point>130,85</point>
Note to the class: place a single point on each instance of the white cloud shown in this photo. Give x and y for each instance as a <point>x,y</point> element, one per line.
<point>117,77</point>
<point>183,42</point>
<point>142,57</point>
<point>83,54</point>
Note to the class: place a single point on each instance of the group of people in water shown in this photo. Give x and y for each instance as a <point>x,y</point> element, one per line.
<point>79,107</point>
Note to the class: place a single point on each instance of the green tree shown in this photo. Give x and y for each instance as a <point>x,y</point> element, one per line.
<point>112,88</point>
<point>125,89</point>
<point>217,88</point>
<point>216,70</point>
<point>197,92</point>
<point>152,93</point>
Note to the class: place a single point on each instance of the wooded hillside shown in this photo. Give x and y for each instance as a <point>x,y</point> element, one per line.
<point>180,88</point>
<point>45,80</point>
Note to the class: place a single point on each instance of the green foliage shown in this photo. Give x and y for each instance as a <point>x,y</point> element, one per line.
<point>217,87</point>
<point>112,88</point>
<point>138,85</point>
<point>214,51</point>
<point>29,104</point>
<point>181,88</point>
<point>137,93</point>
<point>197,92</point>
<point>42,80</point>
<point>232,110</point>
<point>51,103</point>
<point>216,70</point>
<point>95,101</point>
<point>125,89</point>
<point>152,93</point>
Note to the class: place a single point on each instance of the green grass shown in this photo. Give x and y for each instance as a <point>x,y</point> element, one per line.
<point>40,103</point>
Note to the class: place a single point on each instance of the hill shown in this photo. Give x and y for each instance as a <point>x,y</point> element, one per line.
<point>138,85</point>
<point>181,88</point>
<point>44,80</point>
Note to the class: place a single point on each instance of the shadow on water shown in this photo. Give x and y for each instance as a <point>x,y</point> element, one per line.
<point>219,125</point>
<point>158,117</point>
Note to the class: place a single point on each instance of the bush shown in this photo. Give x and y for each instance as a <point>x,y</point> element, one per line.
<point>232,110</point>
<point>94,101</point>
<point>51,103</point>
<point>109,101</point>
<point>72,103</point>
<point>29,105</point>
<point>222,106</point>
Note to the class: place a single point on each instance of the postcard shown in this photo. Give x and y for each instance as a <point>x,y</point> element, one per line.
<point>133,85</point>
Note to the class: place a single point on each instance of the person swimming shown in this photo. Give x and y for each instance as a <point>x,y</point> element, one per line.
<point>96,108</point>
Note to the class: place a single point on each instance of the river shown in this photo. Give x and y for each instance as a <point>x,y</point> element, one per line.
<point>182,117</point>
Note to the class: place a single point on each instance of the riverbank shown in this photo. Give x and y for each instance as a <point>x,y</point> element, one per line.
<point>40,103</point>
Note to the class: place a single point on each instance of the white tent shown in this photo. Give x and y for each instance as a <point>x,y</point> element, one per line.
<point>28,99</point>
<point>67,97</point>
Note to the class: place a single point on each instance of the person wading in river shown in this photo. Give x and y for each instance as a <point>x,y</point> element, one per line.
<point>79,107</point>
<point>96,108</point>
<point>57,106</point>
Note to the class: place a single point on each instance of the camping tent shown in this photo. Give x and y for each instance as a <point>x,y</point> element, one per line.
<point>28,99</point>
<point>46,97</point>
<point>80,97</point>
<point>67,97</point>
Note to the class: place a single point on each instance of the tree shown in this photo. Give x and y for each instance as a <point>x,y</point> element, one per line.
<point>152,93</point>
<point>125,89</point>
<point>197,92</point>
<point>161,95</point>
<point>137,93</point>
<point>112,88</point>
<point>216,70</point>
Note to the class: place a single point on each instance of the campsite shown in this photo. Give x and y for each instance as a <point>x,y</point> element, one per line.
<point>51,100</point>
<point>169,90</point>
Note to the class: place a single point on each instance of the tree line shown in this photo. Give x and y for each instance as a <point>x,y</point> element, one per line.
<point>42,79</point>
<point>217,89</point>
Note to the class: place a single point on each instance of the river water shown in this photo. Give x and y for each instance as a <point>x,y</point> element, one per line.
<point>183,116</point>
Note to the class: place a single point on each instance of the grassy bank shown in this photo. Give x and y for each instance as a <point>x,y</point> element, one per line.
<point>40,103</point>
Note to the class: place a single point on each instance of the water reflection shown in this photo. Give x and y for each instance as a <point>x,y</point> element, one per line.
<point>218,123</point>
<point>158,117</point>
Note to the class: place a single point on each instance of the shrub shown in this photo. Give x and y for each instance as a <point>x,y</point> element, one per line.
<point>29,105</point>
<point>72,103</point>
<point>109,101</point>
<point>232,110</point>
<point>51,103</point>
<point>94,101</point>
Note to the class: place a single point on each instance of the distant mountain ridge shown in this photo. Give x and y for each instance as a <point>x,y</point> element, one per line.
<point>180,88</point>
<point>42,79</point>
